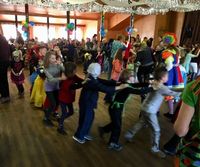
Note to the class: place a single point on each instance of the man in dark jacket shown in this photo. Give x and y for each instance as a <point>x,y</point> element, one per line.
<point>4,64</point>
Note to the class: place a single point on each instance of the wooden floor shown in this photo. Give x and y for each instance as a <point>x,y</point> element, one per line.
<point>26,142</point>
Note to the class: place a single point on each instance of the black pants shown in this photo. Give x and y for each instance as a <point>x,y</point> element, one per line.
<point>20,88</point>
<point>144,72</point>
<point>53,100</point>
<point>67,111</point>
<point>4,88</point>
<point>115,125</point>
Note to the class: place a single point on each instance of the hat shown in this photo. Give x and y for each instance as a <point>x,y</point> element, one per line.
<point>94,69</point>
<point>170,38</point>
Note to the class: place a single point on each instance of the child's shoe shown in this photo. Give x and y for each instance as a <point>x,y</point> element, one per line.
<point>159,153</point>
<point>62,131</point>
<point>88,137</point>
<point>115,146</point>
<point>128,136</point>
<point>78,140</point>
<point>48,122</point>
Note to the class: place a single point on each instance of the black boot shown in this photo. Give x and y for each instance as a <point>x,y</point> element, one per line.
<point>171,145</point>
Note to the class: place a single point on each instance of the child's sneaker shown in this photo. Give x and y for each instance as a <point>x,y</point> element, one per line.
<point>48,122</point>
<point>62,131</point>
<point>88,138</point>
<point>114,146</point>
<point>128,136</point>
<point>159,153</point>
<point>79,140</point>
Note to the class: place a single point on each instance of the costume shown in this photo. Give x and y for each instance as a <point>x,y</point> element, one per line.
<point>171,60</point>
<point>188,150</point>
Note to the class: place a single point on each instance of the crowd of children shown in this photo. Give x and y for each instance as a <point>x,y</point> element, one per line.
<point>54,82</point>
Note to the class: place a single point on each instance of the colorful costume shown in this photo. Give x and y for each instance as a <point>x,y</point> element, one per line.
<point>171,60</point>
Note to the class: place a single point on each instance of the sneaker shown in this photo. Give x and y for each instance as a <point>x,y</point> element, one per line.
<point>48,122</point>
<point>61,131</point>
<point>114,146</point>
<point>159,153</point>
<point>169,150</point>
<point>101,132</point>
<point>88,138</point>
<point>128,136</point>
<point>79,140</point>
<point>56,115</point>
<point>5,100</point>
<point>168,115</point>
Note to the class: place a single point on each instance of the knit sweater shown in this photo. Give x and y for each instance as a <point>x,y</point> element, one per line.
<point>53,72</point>
<point>154,99</point>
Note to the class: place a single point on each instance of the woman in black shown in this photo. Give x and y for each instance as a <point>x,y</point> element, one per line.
<point>116,109</point>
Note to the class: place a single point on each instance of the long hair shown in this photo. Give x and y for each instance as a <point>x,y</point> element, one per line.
<point>47,57</point>
<point>118,55</point>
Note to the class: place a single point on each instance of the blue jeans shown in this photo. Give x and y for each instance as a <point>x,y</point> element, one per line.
<point>67,111</point>
<point>86,117</point>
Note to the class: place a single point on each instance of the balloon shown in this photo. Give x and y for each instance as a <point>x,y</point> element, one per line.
<point>26,25</point>
<point>105,30</point>
<point>23,22</point>
<point>23,28</point>
<point>130,30</point>
<point>31,23</point>
<point>72,24</point>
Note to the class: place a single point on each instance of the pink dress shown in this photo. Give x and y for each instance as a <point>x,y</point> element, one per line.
<point>116,70</point>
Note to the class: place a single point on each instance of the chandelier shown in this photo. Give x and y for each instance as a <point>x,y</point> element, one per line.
<point>140,7</point>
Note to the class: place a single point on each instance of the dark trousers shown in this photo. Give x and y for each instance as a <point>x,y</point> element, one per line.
<point>67,111</point>
<point>86,117</point>
<point>110,68</point>
<point>144,72</point>
<point>115,125</point>
<point>53,99</point>
<point>4,88</point>
<point>20,88</point>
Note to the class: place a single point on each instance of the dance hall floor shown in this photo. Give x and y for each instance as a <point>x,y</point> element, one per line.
<point>26,142</point>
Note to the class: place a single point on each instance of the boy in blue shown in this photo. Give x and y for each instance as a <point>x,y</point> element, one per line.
<point>88,100</point>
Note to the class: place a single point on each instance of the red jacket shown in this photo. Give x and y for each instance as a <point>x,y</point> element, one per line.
<point>126,56</point>
<point>66,94</point>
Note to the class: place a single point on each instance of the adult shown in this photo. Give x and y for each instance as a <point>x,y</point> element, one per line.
<point>117,44</point>
<point>145,61</point>
<point>187,126</point>
<point>4,64</point>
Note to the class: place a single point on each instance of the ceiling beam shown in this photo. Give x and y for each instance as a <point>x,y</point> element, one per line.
<point>37,23</point>
<point>46,15</point>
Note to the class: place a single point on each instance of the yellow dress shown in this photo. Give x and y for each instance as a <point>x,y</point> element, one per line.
<point>38,94</point>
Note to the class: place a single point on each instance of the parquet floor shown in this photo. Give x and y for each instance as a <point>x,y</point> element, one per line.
<point>26,142</point>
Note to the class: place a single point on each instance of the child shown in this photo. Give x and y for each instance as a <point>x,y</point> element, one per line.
<point>38,94</point>
<point>87,61</point>
<point>116,109</point>
<point>149,110</point>
<point>53,72</point>
<point>17,68</point>
<point>117,64</point>
<point>88,101</point>
<point>67,94</point>
<point>100,59</point>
